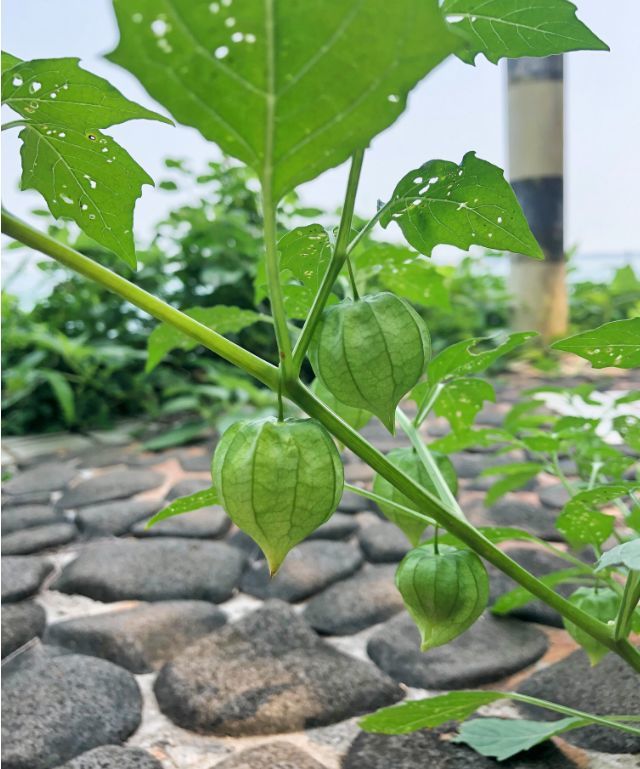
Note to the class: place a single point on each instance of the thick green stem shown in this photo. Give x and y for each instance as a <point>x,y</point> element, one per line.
<point>233,353</point>
<point>335,265</point>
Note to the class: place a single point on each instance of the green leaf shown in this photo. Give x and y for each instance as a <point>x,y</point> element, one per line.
<point>9,61</point>
<point>629,428</point>
<point>428,713</point>
<point>520,596</point>
<point>291,89</point>
<point>612,344</point>
<point>508,483</point>
<point>504,28</point>
<point>461,205</point>
<point>495,534</point>
<point>627,554</point>
<point>486,436</point>
<point>63,392</point>
<point>461,400</point>
<point>186,505</point>
<point>601,603</point>
<point>221,318</point>
<point>355,417</point>
<point>502,738</point>
<point>462,358</point>
<point>96,182</point>
<point>581,524</point>
<point>178,436</point>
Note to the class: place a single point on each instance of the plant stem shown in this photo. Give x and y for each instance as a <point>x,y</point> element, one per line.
<point>335,265</point>
<point>13,124</point>
<point>389,502</point>
<point>352,280</point>
<point>630,598</point>
<point>233,353</point>
<point>427,404</point>
<point>367,228</point>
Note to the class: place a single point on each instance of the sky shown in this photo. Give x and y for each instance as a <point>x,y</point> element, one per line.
<point>456,109</point>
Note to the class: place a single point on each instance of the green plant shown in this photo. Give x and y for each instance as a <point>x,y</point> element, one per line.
<point>271,97</point>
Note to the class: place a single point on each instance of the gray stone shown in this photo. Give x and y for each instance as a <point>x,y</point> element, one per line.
<point>47,477</point>
<point>308,568</point>
<point>245,544</point>
<point>114,518</point>
<point>470,465</point>
<point>114,757</point>
<point>383,542</point>
<point>339,526</point>
<point>60,707</point>
<point>554,496</point>
<point>139,639</point>
<point>273,755</point>
<point>196,463</point>
<point>22,576</point>
<point>154,570</point>
<point>20,623</point>
<point>353,503</point>
<point>117,484</point>
<point>207,523</point>
<point>38,538</point>
<point>265,674</point>
<point>609,687</point>
<point>29,498</point>
<point>105,456</point>
<point>426,749</point>
<point>188,486</point>
<point>28,516</point>
<point>491,649</point>
<point>517,513</point>
<point>357,603</point>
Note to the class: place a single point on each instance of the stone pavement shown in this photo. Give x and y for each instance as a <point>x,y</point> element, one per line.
<point>127,648</point>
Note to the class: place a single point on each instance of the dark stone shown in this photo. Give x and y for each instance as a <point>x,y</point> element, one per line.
<point>196,463</point>
<point>28,516</point>
<point>154,570</point>
<point>47,477</point>
<point>609,687</point>
<point>22,576</point>
<point>353,503</point>
<point>114,518</point>
<point>38,538</point>
<point>60,707</point>
<point>383,542</point>
<point>354,604</point>
<point>273,755</point>
<point>265,674</point>
<point>114,757</point>
<point>308,568</point>
<point>20,623</point>
<point>491,649</point>
<point>207,523</point>
<point>539,562</point>
<point>117,484</point>
<point>245,544</point>
<point>513,511</point>
<point>339,526</point>
<point>139,639</point>
<point>188,486</point>
<point>426,749</point>
<point>554,496</point>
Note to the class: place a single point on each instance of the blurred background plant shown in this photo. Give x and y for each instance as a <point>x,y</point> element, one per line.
<point>75,360</point>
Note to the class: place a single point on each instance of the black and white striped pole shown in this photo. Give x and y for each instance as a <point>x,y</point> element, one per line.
<point>536,156</point>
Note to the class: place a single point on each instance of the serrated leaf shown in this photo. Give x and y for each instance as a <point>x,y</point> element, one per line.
<point>627,554</point>
<point>60,92</point>
<point>502,28</point>
<point>460,358</point>
<point>460,205</point>
<point>520,596</point>
<point>502,738</point>
<point>200,499</point>
<point>291,89</point>
<point>428,713</point>
<point>612,344</point>
<point>222,318</point>
<point>86,177</point>
<point>461,400</point>
<point>580,521</point>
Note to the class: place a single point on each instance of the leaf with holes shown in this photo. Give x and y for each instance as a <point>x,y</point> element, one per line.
<point>582,523</point>
<point>222,318</point>
<point>461,400</point>
<point>612,344</point>
<point>291,89</point>
<point>460,205</point>
<point>502,28</point>
<point>186,504</point>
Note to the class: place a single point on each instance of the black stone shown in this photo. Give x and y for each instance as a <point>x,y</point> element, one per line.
<point>28,516</point>
<point>491,649</point>
<point>114,757</point>
<point>47,477</point>
<point>265,674</point>
<point>114,518</point>
<point>38,538</point>
<point>60,707</point>
<point>139,639</point>
<point>273,755</point>
<point>609,687</point>
<point>22,576</point>
<point>20,623</point>
<point>188,486</point>
<point>207,523</point>
<point>383,542</point>
<point>154,570</point>
<point>357,603</point>
<point>117,484</point>
<point>308,568</point>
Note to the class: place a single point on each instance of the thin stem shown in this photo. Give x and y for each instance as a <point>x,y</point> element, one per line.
<point>561,476</point>
<point>13,124</point>
<point>335,265</point>
<point>389,503</point>
<point>352,280</point>
<point>425,407</point>
<point>367,227</point>
<point>233,353</point>
<point>630,598</point>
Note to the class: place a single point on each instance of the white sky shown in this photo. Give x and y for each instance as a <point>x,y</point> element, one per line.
<point>457,108</point>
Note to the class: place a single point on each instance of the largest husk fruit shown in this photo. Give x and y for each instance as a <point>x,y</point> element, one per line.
<point>371,352</point>
<point>278,481</point>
